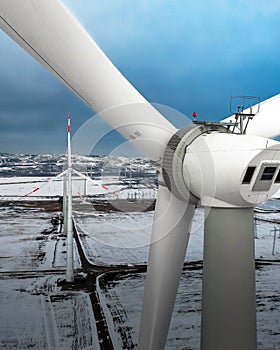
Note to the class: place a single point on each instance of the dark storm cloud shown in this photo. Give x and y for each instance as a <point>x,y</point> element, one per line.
<point>189,55</point>
<point>33,105</point>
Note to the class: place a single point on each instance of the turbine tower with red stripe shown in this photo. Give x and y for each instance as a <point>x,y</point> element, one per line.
<point>69,242</point>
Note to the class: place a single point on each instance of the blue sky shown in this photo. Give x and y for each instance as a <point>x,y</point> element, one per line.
<point>188,55</point>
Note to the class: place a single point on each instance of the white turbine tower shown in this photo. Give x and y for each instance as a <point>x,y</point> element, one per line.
<point>202,164</point>
<point>68,219</point>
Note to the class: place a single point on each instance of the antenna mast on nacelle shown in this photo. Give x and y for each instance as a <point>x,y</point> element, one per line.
<point>245,108</point>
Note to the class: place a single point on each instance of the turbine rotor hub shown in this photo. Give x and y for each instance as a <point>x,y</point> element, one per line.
<point>174,155</point>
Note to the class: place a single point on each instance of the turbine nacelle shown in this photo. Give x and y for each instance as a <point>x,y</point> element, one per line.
<point>207,165</point>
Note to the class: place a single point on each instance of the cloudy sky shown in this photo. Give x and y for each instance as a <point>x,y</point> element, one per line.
<point>191,55</point>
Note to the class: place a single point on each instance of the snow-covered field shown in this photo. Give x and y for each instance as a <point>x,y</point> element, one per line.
<point>35,313</point>
<point>40,315</point>
<point>127,236</point>
<point>115,238</point>
<point>122,297</point>
<point>123,238</point>
<point>28,241</point>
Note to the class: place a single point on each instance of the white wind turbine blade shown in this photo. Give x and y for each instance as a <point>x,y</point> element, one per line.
<point>96,183</point>
<point>45,183</point>
<point>49,32</point>
<point>267,122</point>
<point>170,235</point>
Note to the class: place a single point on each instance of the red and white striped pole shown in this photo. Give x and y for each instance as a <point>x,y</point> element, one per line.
<point>69,245</point>
<point>69,141</point>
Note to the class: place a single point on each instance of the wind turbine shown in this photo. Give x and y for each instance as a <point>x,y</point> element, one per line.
<point>67,203</point>
<point>202,164</point>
